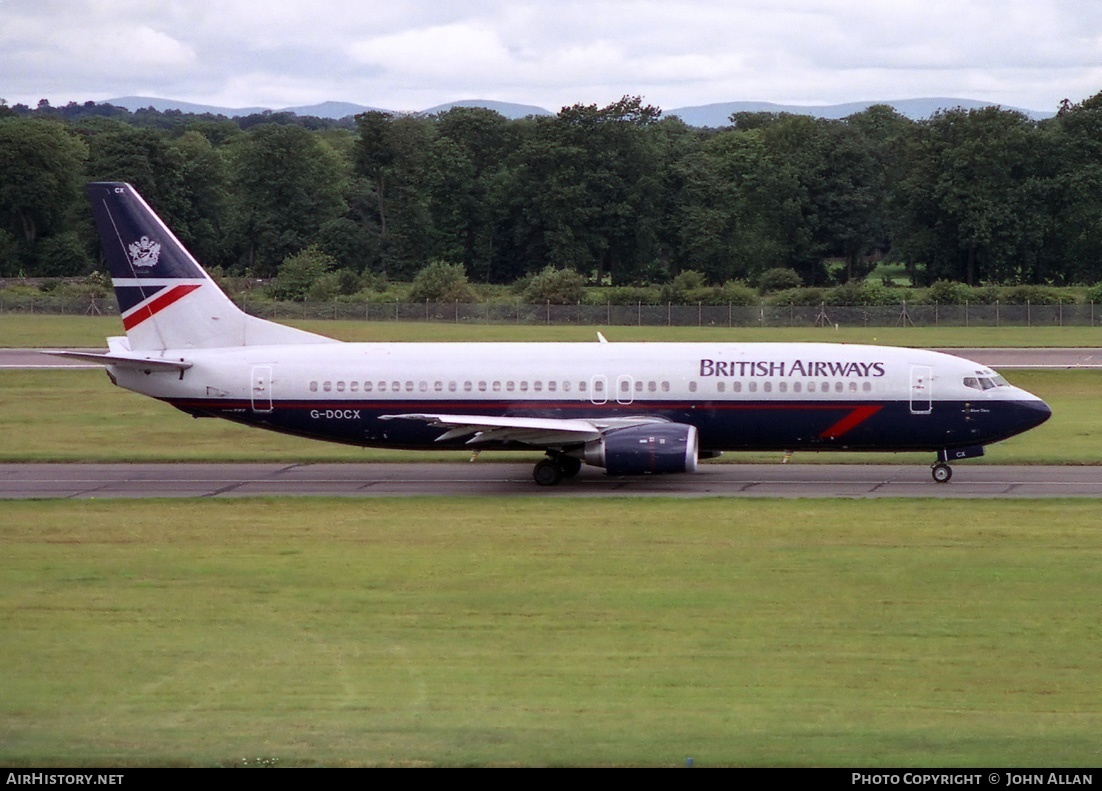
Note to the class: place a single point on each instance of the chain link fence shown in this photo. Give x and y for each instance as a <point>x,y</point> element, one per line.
<point>670,315</point>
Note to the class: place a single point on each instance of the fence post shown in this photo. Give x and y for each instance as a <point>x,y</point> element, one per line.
<point>699,314</point>
<point>669,313</point>
<point>996,313</point>
<point>639,313</point>
<point>1028,319</point>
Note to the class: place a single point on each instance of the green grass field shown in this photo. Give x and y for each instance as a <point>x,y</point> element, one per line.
<point>37,331</point>
<point>79,416</point>
<point>532,632</point>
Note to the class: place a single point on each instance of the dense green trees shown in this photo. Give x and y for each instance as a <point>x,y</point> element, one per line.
<point>617,194</point>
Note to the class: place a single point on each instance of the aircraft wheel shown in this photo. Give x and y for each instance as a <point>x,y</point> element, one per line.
<point>942,472</point>
<point>569,466</point>
<point>547,473</point>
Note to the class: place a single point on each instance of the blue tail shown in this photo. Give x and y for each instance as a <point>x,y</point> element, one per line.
<point>166,299</point>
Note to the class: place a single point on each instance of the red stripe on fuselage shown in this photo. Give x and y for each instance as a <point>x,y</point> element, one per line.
<point>155,306</point>
<point>851,421</point>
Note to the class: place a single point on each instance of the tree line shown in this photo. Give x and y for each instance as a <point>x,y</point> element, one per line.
<point>618,194</point>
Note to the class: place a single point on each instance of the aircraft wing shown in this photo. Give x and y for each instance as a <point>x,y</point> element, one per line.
<point>538,432</point>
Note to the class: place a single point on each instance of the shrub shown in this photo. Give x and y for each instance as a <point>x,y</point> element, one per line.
<point>862,293</point>
<point>778,279</point>
<point>1035,295</point>
<point>948,292</point>
<point>557,286</point>
<point>626,295</point>
<point>442,282</point>
<point>298,274</point>
<point>796,296</point>
<point>1094,293</point>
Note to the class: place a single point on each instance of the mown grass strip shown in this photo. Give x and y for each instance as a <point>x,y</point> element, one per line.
<point>38,331</point>
<point>505,632</point>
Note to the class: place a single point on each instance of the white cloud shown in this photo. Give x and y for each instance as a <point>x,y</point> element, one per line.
<point>409,54</point>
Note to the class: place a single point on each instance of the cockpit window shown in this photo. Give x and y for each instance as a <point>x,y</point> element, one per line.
<point>985,381</point>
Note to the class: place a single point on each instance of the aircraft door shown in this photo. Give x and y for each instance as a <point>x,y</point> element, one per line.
<point>262,388</point>
<point>625,386</point>
<point>921,390</point>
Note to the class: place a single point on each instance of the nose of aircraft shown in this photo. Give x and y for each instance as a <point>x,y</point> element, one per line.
<point>1033,413</point>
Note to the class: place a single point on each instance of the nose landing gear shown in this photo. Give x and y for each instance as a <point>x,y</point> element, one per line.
<point>941,470</point>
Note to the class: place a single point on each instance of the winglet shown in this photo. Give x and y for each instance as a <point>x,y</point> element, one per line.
<point>601,337</point>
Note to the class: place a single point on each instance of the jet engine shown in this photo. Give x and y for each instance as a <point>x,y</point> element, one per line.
<point>650,448</point>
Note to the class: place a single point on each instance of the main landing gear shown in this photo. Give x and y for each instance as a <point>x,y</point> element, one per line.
<point>549,471</point>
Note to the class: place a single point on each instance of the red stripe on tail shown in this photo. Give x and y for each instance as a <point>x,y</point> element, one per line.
<point>155,306</point>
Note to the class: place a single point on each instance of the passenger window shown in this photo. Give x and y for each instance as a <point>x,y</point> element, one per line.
<point>313,387</point>
<point>340,387</point>
<point>853,387</point>
<point>537,386</point>
<point>395,386</point>
<point>783,387</point>
<point>838,387</point>
<point>452,387</point>
<point>551,387</point>
<point>767,387</point>
<point>367,387</point>
<point>721,387</point>
<point>866,386</point>
<point>625,386</point>
<point>524,387</point>
<point>509,386</point>
<point>598,386</point>
<point>665,387</point>
<point>639,387</point>
<point>581,387</point>
<point>467,386</point>
<point>438,387</point>
<point>753,387</point>
<point>327,386</point>
<point>482,387</point>
<point>497,387</point>
<point>353,386</point>
<point>652,387</point>
<point>797,387</point>
<point>692,387</point>
<point>409,386</point>
<point>736,386</point>
<point>566,387</point>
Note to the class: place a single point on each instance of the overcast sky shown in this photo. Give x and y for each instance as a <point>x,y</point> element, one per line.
<point>413,54</point>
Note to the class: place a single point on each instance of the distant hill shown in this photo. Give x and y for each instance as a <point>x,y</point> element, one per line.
<point>916,109</point>
<point>507,109</point>
<point>710,115</point>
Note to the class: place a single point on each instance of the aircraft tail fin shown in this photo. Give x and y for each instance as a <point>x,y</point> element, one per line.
<point>166,299</point>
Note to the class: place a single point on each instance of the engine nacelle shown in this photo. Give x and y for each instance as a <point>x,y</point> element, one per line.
<point>650,448</point>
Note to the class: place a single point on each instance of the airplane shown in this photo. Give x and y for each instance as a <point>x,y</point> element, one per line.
<point>630,408</point>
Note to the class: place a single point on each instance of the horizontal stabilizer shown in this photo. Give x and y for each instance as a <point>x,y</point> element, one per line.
<point>126,361</point>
